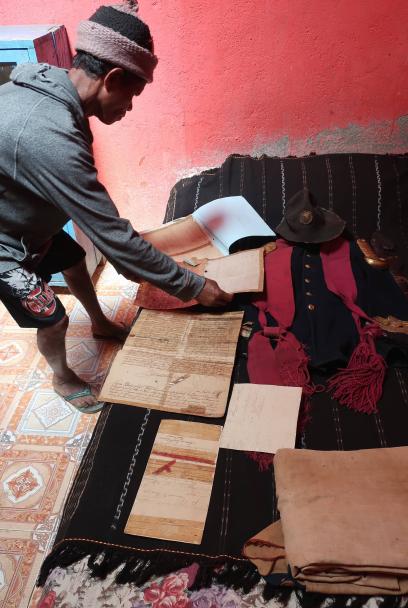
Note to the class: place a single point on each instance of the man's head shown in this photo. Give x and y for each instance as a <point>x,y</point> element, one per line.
<point>115,53</point>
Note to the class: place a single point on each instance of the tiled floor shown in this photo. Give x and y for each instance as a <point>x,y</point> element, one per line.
<point>42,438</point>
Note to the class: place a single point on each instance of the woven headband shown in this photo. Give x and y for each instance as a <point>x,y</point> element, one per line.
<point>108,45</point>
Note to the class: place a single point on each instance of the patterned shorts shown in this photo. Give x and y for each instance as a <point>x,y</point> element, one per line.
<point>26,293</point>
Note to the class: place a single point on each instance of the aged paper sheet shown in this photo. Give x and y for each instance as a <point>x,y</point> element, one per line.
<point>174,495</point>
<point>176,362</point>
<point>237,273</point>
<point>261,418</point>
<point>182,238</point>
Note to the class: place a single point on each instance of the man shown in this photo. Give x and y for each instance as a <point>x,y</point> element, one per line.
<point>47,175</point>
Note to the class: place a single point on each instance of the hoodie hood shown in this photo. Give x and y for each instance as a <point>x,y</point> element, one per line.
<point>50,81</point>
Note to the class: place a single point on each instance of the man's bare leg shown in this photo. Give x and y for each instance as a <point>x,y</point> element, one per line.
<point>51,344</point>
<point>81,286</point>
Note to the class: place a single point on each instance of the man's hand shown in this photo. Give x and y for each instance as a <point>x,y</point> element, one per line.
<point>212,295</point>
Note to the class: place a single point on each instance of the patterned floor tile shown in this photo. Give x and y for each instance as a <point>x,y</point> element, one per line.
<point>45,411</point>
<point>3,312</point>
<point>20,560</point>
<point>34,378</point>
<point>45,532</point>
<point>83,355</point>
<point>109,305</point>
<point>7,395</point>
<point>33,483</point>
<point>42,438</point>
<point>35,598</point>
<point>18,355</point>
<point>108,279</point>
<point>41,417</point>
<point>75,447</point>
<point>7,440</point>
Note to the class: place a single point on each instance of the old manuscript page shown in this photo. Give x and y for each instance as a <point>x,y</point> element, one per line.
<point>174,494</point>
<point>176,362</point>
<point>237,273</point>
<point>182,238</point>
<point>261,418</point>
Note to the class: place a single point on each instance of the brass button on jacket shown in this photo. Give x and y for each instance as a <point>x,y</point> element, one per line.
<point>311,306</point>
<point>307,280</point>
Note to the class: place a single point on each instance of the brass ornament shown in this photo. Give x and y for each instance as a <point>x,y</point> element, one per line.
<point>269,247</point>
<point>370,256</point>
<point>306,217</point>
<point>392,324</point>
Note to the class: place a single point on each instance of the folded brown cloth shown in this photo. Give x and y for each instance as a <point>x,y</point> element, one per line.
<point>344,522</point>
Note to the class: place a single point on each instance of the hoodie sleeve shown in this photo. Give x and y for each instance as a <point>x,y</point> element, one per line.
<point>61,170</point>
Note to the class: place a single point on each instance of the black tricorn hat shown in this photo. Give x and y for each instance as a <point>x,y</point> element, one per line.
<point>305,222</point>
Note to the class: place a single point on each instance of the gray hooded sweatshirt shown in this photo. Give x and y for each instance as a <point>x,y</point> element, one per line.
<point>48,175</point>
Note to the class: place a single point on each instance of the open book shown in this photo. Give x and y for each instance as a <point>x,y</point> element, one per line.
<point>202,241</point>
<point>211,230</point>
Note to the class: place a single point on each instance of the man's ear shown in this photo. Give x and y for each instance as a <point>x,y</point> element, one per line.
<point>114,79</point>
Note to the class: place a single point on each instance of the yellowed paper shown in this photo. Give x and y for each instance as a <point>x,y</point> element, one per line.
<point>238,273</point>
<point>176,362</point>
<point>261,418</point>
<point>174,495</point>
<point>182,238</point>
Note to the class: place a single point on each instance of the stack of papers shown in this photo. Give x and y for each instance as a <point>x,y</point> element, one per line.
<point>201,242</point>
<point>174,495</point>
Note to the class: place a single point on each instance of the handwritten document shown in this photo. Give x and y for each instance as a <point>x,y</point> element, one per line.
<point>237,273</point>
<point>261,418</point>
<point>177,362</point>
<point>174,494</point>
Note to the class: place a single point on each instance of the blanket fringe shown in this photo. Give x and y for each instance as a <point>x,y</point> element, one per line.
<point>138,567</point>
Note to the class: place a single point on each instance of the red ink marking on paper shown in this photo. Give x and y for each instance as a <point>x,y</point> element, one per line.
<point>166,468</point>
<point>182,457</point>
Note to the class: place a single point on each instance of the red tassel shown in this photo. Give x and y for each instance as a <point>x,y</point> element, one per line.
<point>264,460</point>
<point>359,386</point>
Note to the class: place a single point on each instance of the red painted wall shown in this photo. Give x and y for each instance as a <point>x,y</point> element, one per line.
<point>281,76</point>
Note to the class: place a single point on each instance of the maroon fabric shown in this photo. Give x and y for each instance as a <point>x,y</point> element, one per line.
<point>359,385</point>
<point>339,276</point>
<point>287,363</point>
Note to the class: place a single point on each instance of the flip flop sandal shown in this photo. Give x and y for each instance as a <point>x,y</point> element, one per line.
<point>101,337</point>
<point>84,409</point>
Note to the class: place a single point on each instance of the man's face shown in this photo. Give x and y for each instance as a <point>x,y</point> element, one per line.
<point>116,95</point>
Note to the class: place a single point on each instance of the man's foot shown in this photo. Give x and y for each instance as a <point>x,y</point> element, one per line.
<point>110,330</point>
<point>76,392</point>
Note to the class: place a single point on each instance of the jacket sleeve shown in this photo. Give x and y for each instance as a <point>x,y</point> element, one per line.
<point>61,170</point>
